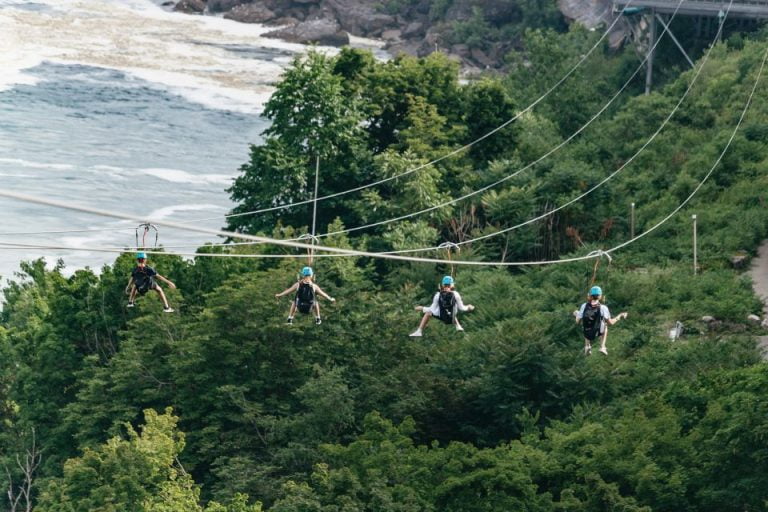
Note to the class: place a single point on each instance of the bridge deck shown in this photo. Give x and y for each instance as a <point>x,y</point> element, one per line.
<point>741,9</point>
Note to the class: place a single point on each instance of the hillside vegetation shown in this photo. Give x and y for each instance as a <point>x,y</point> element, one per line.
<point>222,407</point>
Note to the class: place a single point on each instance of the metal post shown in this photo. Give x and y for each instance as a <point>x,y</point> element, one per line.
<point>695,263</point>
<point>632,221</point>
<point>649,62</point>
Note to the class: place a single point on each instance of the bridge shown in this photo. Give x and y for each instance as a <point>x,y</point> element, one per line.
<point>750,9</point>
<point>659,11</point>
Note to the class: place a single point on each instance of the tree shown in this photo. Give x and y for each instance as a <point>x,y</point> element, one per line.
<point>312,120</point>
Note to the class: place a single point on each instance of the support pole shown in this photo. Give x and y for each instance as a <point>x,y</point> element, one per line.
<point>695,262</point>
<point>649,62</point>
<point>632,220</point>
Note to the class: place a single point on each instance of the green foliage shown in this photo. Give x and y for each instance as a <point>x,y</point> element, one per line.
<point>353,414</point>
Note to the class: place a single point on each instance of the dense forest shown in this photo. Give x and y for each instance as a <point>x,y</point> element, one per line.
<point>222,407</point>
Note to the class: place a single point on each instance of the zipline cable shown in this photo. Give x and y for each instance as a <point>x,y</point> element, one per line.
<point>447,155</point>
<point>525,168</point>
<point>284,243</point>
<point>631,159</point>
<point>711,170</point>
<point>66,205</point>
<point>344,252</point>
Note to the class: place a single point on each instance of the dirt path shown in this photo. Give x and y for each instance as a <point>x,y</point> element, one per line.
<point>759,275</point>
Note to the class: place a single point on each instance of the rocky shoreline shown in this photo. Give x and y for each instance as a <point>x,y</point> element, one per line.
<point>410,30</point>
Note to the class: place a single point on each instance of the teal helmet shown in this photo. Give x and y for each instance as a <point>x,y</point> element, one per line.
<point>141,255</point>
<point>595,290</point>
<point>307,272</point>
<point>447,281</point>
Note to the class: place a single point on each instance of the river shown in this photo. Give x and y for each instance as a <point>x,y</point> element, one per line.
<point>123,105</point>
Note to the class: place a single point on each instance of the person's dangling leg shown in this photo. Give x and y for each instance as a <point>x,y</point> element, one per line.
<point>316,307</point>
<point>166,307</point>
<point>422,324</point>
<point>603,340</point>
<point>132,297</point>
<point>587,347</point>
<point>457,324</point>
<point>291,313</point>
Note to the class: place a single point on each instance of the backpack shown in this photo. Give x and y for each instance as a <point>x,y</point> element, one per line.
<point>143,282</point>
<point>447,304</point>
<point>591,320</point>
<point>305,297</point>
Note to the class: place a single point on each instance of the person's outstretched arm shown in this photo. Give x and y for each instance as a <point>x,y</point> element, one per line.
<point>460,303</point>
<point>579,313</point>
<point>321,293</point>
<point>288,290</point>
<point>129,285</point>
<point>618,317</point>
<point>166,281</point>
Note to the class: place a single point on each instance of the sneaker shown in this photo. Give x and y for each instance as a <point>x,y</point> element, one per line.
<point>604,351</point>
<point>318,321</point>
<point>416,334</point>
<point>459,328</point>
<point>289,321</point>
<point>169,309</point>
<point>588,350</point>
<point>130,304</point>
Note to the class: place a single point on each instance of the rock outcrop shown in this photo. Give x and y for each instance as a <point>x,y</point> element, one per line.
<point>190,6</point>
<point>322,31</point>
<point>593,14</point>
<point>251,13</point>
<point>411,30</point>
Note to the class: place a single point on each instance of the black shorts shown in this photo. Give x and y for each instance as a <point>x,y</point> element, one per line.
<point>143,291</point>
<point>591,335</point>
<point>304,307</point>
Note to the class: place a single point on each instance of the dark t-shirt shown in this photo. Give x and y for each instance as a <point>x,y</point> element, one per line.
<point>143,277</point>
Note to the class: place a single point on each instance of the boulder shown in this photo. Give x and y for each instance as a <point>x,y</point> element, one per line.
<point>190,6</point>
<point>414,29</point>
<point>250,13</point>
<point>462,50</point>
<point>359,18</point>
<point>391,35</point>
<point>739,260</point>
<point>286,21</point>
<point>595,13</point>
<point>224,5</point>
<point>753,319</point>
<point>321,31</point>
<point>481,58</point>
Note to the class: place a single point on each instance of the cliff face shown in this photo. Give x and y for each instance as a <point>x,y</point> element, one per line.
<point>408,27</point>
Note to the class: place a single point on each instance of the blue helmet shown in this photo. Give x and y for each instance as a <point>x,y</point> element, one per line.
<point>141,255</point>
<point>307,272</point>
<point>595,290</point>
<point>447,281</point>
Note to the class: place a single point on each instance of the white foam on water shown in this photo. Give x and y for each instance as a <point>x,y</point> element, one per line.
<point>168,211</point>
<point>179,176</point>
<point>183,53</point>
<point>35,165</point>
